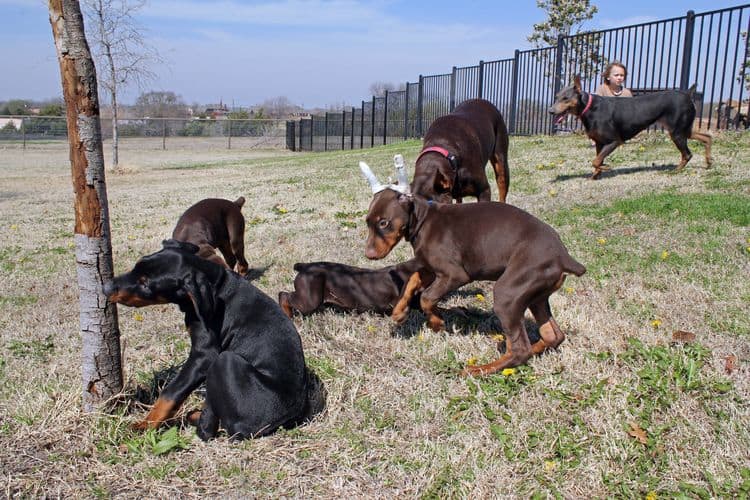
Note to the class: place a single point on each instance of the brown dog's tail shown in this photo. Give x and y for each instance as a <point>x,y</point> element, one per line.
<point>570,265</point>
<point>240,201</point>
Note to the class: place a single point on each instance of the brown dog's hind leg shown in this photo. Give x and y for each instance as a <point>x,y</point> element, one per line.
<point>509,308</point>
<point>502,175</point>
<point>706,139</point>
<point>550,332</point>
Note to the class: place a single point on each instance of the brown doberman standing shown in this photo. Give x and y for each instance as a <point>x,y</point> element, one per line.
<point>610,121</point>
<point>213,224</point>
<point>455,151</point>
<point>460,243</point>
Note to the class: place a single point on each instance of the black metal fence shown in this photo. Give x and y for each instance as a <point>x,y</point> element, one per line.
<point>710,49</point>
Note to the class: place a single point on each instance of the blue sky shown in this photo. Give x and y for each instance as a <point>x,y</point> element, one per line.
<point>315,53</point>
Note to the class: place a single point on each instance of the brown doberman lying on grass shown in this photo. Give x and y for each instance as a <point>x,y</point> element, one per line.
<point>213,224</point>
<point>476,241</point>
<point>610,121</point>
<point>455,151</point>
<point>349,288</point>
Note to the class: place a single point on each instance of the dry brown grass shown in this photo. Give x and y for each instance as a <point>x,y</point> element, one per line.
<point>398,421</point>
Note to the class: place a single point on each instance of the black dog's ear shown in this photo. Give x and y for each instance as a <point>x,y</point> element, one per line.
<point>577,82</point>
<point>180,245</point>
<point>201,294</point>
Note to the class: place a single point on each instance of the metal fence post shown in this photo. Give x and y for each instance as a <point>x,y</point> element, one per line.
<point>229,134</point>
<point>164,135</point>
<point>480,80</point>
<point>362,128</point>
<point>513,95</point>
<point>406,111</point>
<point>687,50</point>
<point>420,105</point>
<point>343,128</point>
<point>23,131</point>
<point>453,90</point>
<point>372,119</point>
<point>351,142</point>
<point>385,119</point>
<point>325,141</point>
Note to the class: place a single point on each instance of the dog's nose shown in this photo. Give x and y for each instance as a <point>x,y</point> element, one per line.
<point>109,287</point>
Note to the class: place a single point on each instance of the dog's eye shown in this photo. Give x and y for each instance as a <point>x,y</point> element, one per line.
<point>384,223</point>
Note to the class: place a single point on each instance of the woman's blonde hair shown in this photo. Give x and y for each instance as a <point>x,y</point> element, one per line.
<point>608,70</point>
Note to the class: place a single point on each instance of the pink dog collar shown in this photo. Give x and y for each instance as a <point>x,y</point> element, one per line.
<point>588,104</point>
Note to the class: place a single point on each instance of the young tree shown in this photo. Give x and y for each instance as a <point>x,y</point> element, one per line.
<point>122,53</point>
<point>566,18</point>
<point>100,334</point>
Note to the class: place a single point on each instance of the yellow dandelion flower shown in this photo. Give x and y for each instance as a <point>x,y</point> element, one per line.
<point>472,361</point>
<point>601,241</point>
<point>370,329</point>
<point>664,255</point>
<point>508,371</point>
<point>14,227</point>
<point>569,289</point>
<point>552,193</point>
<point>131,237</point>
<point>420,337</point>
<point>498,337</point>
<point>651,495</point>
<point>138,316</point>
<point>550,465</point>
<point>480,297</point>
<point>656,323</point>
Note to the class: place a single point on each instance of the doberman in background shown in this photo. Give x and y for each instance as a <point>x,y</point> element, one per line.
<point>213,224</point>
<point>460,243</point>
<point>455,152</point>
<point>242,345</point>
<point>348,288</point>
<point>610,121</point>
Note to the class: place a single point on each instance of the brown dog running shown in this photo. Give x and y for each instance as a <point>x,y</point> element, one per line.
<point>213,224</point>
<point>348,288</point>
<point>455,151</point>
<point>610,121</point>
<point>477,241</point>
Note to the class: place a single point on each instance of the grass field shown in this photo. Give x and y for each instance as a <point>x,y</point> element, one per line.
<point>619,410</point>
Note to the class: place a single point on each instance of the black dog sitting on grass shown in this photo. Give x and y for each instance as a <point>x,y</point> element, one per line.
<point>242,345</point>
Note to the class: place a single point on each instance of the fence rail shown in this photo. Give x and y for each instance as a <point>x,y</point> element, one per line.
<point>256,133</point>
<point>710,49</point>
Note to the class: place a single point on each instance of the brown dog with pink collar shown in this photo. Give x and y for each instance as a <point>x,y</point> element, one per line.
<point>455,152</point>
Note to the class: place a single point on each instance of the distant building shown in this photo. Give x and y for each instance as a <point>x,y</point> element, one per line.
<point>217,111</point>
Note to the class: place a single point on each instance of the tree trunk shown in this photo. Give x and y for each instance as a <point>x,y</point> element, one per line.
<point>100,334</point>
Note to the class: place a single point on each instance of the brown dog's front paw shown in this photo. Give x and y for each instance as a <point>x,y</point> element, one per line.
<point>400,315</point>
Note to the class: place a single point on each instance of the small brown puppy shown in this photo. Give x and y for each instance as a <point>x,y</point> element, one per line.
<point>455,151</point>
<point>477,241</point>
<point>349,288</point>
<point>213,224</point>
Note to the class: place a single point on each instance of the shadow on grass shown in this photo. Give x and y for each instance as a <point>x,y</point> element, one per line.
<point>618,171</point>
<point>463,321</point>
